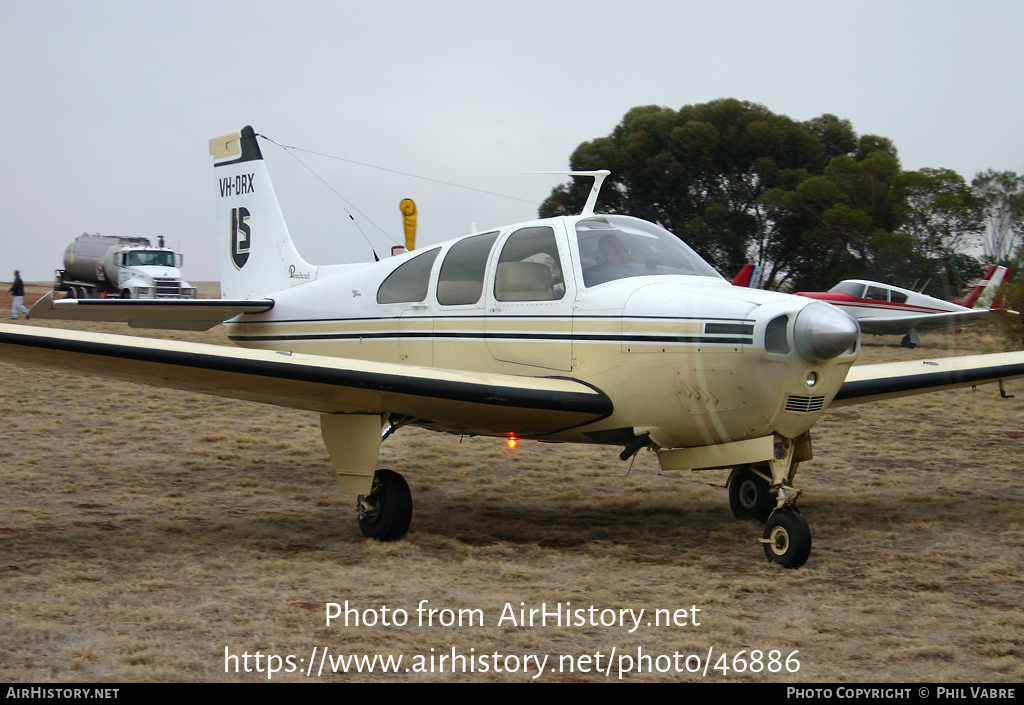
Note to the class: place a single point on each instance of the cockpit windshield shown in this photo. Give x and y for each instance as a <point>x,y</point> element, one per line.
<point>618,246</point>
<point>854,289</point>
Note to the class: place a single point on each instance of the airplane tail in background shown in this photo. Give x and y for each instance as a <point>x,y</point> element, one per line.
<point>257,256</point>
<point>989,291</point>
<point>749,276</point>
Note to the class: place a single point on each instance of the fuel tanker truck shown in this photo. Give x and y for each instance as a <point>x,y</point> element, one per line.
<point>101,266</point>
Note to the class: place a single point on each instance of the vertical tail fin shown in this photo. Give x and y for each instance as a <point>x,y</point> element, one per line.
<point>999,288</point>
<point>257,256</point>
<point>991,287</point>
<point>749,276</point>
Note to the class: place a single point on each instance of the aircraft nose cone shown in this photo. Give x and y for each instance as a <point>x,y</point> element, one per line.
<point>822,331</point>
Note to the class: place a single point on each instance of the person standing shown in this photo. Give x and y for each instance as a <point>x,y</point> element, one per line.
<point>18,290</point>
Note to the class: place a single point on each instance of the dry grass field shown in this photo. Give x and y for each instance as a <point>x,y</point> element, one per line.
<point>144,531</point>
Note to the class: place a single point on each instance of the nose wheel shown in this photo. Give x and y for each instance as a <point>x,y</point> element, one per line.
<point>764,492</point>
<point>787,538</point>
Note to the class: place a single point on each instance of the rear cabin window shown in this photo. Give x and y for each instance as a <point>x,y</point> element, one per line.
<point>529,268</point>
<point>408,283</point>
<point>461,281</point>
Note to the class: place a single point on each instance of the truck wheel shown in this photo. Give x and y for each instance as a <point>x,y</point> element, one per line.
<point>125,294</point>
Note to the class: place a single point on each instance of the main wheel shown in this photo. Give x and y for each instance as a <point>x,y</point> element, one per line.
<point>750,495</point>
<point>386,512</point>
<point>787,539</point>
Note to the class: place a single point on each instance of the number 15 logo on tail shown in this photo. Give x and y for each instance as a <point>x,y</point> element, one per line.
<point>240,237</point>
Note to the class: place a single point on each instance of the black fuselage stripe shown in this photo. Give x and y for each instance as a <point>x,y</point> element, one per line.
<point>479,317</point>
<point>526,336</point>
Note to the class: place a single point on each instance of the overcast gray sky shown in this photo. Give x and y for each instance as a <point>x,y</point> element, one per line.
<point>106,107</point>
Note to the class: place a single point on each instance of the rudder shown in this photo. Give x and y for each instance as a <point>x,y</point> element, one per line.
<point>989,291</point>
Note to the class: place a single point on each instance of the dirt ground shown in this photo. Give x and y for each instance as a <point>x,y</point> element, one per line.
<point>154,535</point>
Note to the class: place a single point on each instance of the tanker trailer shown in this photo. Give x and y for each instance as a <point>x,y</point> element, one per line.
<point>101,266</point>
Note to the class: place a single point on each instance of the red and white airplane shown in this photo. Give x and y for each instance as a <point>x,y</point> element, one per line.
<point>883,309</point>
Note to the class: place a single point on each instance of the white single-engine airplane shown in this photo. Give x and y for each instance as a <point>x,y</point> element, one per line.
<point>882,309</point>
<point>593,328</point>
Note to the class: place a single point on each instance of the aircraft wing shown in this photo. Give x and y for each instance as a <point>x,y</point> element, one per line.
<point>472,403</point>
<point>167,314</point>
<point>879,325</point>
<point>889,380</point>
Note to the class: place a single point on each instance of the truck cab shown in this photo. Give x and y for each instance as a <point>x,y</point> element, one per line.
<point>150,273</point>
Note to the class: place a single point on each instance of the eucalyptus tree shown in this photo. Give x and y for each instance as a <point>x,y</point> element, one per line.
<point>726,175</point>
<point>844,223</point>
<point>1002,193</point>
<point>945,219</point>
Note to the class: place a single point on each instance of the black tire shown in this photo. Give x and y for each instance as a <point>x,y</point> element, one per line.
<point>385,513</point>
<point>750,495</point>
<point>788,539</point>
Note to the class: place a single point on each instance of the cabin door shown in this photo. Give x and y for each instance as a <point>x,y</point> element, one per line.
<point>529,309</point>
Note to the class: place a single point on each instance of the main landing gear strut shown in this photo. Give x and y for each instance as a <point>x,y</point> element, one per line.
<point>764,493</point>
<point>384,503</point>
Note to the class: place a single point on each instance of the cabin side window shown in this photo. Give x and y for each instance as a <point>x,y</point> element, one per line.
<point>877,293</point>
<point>529,268</point>
<point>461,280</point>
<point>408,283</point>
<point>897,297</point>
